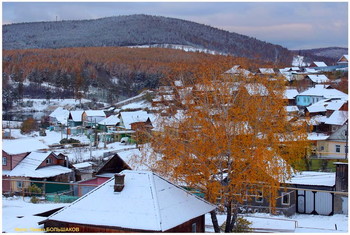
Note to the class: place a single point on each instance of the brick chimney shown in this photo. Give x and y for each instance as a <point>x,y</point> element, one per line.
<point>118,182</point>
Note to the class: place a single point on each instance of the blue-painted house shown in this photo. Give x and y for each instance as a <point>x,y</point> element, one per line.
<point>317,93</point>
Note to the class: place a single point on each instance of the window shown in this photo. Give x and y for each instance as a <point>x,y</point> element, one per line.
<point>48,160</point>
<point>259,197</point>
<point>4,161</point>
<point>322,148</point>
<point>285,198</point>
<point>194,228</point>
<point>337,148</point>
<point>19,184</point>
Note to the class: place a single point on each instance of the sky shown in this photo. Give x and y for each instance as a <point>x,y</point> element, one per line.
<point>294,25</point>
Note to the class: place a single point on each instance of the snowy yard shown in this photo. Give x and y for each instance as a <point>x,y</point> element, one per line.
<point>298,223</point>
<point>18,216</point>
<point>74,154</point>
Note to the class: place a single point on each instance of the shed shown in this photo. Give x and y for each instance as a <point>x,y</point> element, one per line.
<point>134,201</point>
<point>310,198</point>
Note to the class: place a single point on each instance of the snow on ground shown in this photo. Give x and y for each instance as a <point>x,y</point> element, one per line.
<point>15,207</point>
<point>45,105</point>
<point>75,155</point>
<point>137,105</point>
<point>298,223</point>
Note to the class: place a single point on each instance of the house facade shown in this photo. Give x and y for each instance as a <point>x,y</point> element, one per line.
<point>334,147</point>
<point>38,166</point>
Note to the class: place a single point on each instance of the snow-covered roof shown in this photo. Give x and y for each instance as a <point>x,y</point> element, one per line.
<point>132,117</point>
<point>337,118</point>
<point>318,78</point>
<point>256,89</point>
<point>159,98</point>
<point>95,113</point>
<point>266,70</point>
<point>178,83</point>
<point>110,121</point>
<point>76,115</point>
<point>82,165</point>
<point>290,93</point>
<point>313,178</point>
<point>327,104</point>
<point>320,64</point>
<point>316,108</point>
<point>316,120</point>
<point>22,145</point>
<point>28,167</point>
<point>310,70</point>
<point>345,57</point>
<point>335,104</point>
<point>321,90</point>
<point>317,136</point>
<point>60,114</point>
<point>237,69</point>
<point>291,108</point>
<point>147,202</point>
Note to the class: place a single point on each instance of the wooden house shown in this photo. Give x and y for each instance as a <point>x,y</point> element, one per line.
<point>313,79</point>
<point>344,60</point>
<point>334,147</point>
<point>134,201</point>
<point>318,64</point>
<point>75,118</point>
<point>123,160</point>
<point>317,93</point>
<point>109,124</point>
<point>39,166</point>
<point>90,118</point>
<point>138,122</point>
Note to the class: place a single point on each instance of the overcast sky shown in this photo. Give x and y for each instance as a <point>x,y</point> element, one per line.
<point>294,25</point>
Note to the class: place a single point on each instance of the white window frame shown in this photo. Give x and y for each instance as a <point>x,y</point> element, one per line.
<point>284,194</point>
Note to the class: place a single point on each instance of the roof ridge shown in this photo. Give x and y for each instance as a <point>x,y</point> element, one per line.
<point>151,176</point>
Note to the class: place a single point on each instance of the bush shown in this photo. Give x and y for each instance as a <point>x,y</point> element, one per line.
<point>69,141</point>
<point>34,199</point>
<point>34,189</point>
<point>241,226</point>
<point>29,126</point>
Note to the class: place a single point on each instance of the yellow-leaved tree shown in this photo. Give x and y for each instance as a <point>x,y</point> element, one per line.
<point>230,139</point>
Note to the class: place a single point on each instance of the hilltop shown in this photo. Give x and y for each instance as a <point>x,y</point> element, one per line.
<point>139,30</point>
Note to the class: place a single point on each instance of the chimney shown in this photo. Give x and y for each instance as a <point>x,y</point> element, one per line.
<point>118,182</point>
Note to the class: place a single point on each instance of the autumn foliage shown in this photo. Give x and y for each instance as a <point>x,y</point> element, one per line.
<point>230,139</point>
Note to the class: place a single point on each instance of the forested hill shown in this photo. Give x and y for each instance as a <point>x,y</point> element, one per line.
<point>138,30</point>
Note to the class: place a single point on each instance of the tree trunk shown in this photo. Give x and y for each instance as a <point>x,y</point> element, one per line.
<point>233,219</point>
<point>228,217</point>
<point>215,221</point>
